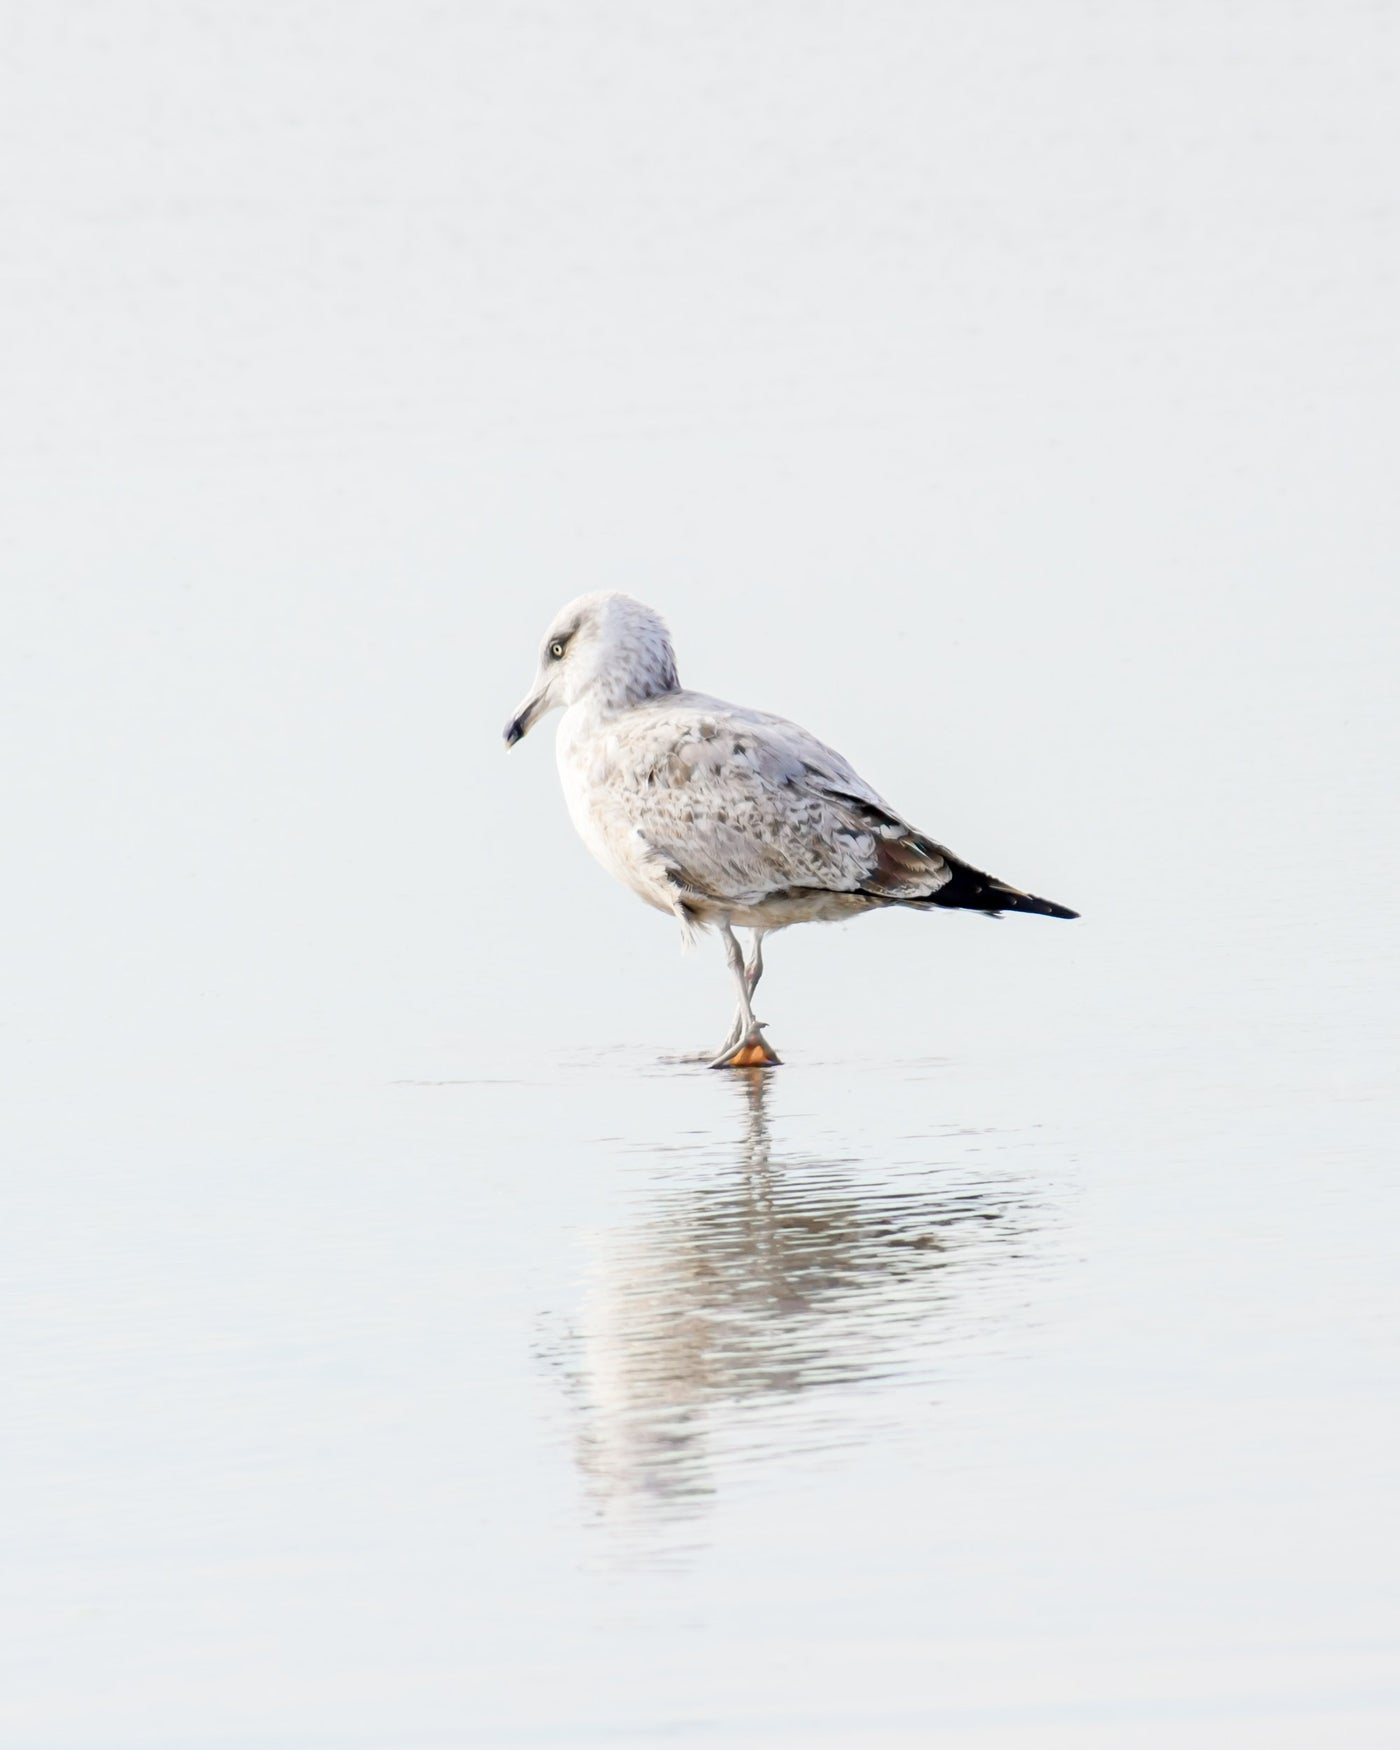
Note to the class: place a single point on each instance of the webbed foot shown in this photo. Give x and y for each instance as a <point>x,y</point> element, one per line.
<point>750,1052</point>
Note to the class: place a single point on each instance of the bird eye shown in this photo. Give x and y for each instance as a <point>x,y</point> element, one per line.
<point>556,650</point>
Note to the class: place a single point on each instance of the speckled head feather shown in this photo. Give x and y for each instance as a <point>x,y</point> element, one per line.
<point>605,650</point>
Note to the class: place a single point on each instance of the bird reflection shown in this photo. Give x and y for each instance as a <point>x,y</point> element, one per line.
<point>721,1323</point>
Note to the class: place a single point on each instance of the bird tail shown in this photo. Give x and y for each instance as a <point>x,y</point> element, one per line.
<point>969,889</point>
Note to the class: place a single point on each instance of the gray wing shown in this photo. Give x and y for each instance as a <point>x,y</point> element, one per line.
<point>741,806</point>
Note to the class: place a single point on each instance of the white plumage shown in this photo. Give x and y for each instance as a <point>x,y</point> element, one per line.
<point>719,814</point>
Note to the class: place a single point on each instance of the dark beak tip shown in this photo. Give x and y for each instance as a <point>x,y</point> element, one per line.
<point>513,732</point>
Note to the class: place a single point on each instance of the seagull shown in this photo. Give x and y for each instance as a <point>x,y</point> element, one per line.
<point>720,815</point>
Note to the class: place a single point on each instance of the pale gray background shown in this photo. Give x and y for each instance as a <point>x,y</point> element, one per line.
<point>399,1346</point>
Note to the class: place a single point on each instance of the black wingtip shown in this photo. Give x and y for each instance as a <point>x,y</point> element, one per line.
<point>969,889</point>
<point>1031,902</point>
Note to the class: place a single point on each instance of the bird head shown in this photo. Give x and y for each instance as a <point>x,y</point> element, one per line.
<point>606,649</point>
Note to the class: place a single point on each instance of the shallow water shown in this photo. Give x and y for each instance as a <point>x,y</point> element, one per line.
<point>403,1340</point>
<point>606,1398</point>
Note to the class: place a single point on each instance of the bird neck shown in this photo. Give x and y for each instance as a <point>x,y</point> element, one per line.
<point>623,688</point>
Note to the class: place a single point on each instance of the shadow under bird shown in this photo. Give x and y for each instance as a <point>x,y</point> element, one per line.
<point>721,815</point>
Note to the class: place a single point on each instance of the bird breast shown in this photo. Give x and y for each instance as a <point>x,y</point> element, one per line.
<point>587,759</point>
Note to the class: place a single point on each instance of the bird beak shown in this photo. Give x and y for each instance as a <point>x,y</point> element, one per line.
<point>524,720</point>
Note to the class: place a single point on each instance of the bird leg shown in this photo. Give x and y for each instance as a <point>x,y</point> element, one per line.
<point>753,971</point>
<point>745,1048</point>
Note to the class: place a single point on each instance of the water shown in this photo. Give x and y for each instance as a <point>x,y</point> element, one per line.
<point>609,1399</point>
<point>618,1400</point>
<point>403,1339</point>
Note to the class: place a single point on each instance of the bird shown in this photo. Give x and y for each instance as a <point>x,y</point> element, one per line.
<point>721,815</point>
